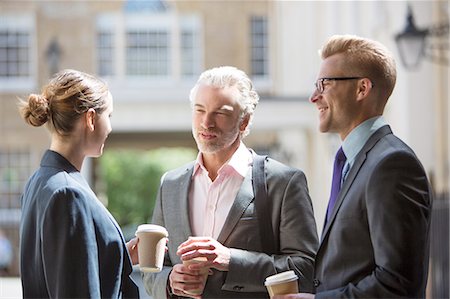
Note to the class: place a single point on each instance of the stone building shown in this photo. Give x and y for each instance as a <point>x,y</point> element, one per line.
<point>151,53</point>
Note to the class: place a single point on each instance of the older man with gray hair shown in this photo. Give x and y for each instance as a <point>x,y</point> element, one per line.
<point>210,209</point>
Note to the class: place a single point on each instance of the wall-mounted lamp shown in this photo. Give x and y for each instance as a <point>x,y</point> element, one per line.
<point>414,44</point>
<point>53,54</point>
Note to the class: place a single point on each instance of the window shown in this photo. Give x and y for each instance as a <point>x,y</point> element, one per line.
<point>14,53</point>
<point>147,53</point>
<point>187,52</point>
<point>145,5</point>
<point>105,51</point>
<point>259,46</point>
<point>16,65</point>
<point>190,55</point>
<point>138,46</point>
<point>15,169</point>
<point>189,46</point>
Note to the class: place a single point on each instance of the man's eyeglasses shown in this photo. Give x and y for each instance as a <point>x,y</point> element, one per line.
<point>319,83</point>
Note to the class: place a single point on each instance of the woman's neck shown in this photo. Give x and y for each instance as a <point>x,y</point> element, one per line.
<point>69,150</point>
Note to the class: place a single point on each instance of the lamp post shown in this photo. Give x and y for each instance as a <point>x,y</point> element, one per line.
<point>412,43</point>
<point>53,56</point>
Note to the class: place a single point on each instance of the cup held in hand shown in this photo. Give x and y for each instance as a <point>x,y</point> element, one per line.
<point>203,272</point>
<point>151,247</point>
<point>282,283</point>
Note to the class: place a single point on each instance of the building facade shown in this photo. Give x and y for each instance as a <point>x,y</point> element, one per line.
<point>151,53</point>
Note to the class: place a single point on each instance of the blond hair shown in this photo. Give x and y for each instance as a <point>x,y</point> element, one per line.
<point>63,100</point>
<point>365,58</point>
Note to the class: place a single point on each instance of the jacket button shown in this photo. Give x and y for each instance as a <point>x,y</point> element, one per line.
<point>316,282</point>
<point>238,288</point>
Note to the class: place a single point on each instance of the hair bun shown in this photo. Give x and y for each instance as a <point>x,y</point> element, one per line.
<point>38,110</point>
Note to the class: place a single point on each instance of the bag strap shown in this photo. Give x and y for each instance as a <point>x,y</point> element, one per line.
<point>262,204</point>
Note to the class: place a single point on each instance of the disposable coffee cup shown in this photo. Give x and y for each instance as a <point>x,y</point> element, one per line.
<point>151,247</point>
<point>203,272</point>
<point>282,283</point>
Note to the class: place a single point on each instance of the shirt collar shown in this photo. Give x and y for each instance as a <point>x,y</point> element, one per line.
<point>355,141</point>
<point>239,161</point>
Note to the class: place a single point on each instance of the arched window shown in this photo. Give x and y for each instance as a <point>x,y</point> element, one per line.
<point>148,39</point>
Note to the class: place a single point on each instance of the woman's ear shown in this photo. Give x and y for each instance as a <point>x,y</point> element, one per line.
<point>90,119</point>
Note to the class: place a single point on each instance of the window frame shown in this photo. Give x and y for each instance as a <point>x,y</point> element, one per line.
<point>260,46</point>
<point>121,24</point>
<point>20,23</point>
<point>15,170</point>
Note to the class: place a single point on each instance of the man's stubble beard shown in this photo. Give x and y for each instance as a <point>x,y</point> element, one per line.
<point>222,141</point>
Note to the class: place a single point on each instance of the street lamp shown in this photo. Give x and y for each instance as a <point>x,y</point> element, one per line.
<point>53,54</point>
<point>414,44</point>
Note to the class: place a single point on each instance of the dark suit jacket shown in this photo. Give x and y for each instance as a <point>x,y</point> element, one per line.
<point>292,220</point>
<point>376,243</point>
<point>70,246</point>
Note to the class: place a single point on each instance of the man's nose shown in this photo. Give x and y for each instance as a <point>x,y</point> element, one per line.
<point>208,120</point>
<point>314,96</point>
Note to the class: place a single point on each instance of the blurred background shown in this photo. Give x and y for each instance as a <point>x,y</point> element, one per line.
<point>151,53</point>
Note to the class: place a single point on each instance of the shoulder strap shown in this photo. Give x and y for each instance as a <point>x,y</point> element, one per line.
<point>262,204</point>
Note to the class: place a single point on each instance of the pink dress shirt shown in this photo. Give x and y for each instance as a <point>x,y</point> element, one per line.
<point>211,201</point>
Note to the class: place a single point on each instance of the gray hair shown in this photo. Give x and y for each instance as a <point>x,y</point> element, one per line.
<point>229,76</point>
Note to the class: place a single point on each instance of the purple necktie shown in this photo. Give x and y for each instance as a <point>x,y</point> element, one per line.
<point>339,162</point>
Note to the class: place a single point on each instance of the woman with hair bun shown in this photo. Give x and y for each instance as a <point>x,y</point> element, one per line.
<point>70,245</point>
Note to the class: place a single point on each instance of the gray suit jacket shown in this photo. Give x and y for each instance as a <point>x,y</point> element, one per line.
<point>70,245</point>
<point>292,221</point>
<point>376,243</point>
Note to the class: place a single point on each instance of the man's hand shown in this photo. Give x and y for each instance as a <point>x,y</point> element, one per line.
<point>182,280</point>
<point>133,250</point>
<point>295,296</point>
<point>218,255</point>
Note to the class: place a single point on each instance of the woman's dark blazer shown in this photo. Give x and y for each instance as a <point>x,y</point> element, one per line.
<point>70,245</point>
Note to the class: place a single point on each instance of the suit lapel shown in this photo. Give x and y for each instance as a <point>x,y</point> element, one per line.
<point>243,199</point>
<point>359,161</point>
<point>183,190</point>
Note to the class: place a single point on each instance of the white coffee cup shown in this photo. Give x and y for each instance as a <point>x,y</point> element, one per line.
<point>202,271</point>
<point>282,283</point>
<point>151,247</point>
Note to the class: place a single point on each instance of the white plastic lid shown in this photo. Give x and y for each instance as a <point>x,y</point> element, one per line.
<point>281,277</point>
<point>152,228</point>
